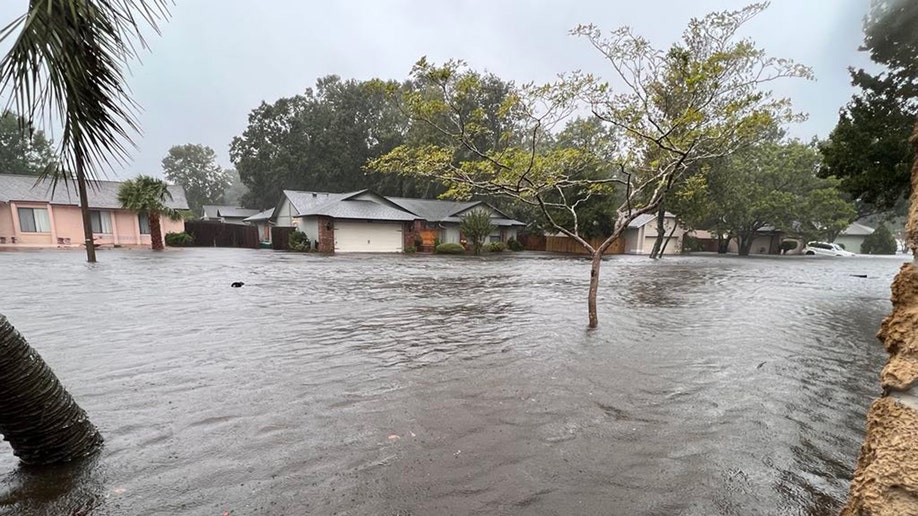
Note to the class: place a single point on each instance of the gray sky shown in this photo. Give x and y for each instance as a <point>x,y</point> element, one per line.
<point>218,59</point>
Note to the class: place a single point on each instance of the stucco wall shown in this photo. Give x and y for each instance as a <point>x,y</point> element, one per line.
<point>310,226</point>
<point>6,222</point>
<point>285,213</point>
<point>851,243</point>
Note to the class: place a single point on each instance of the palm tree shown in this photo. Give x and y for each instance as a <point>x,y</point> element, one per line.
<point>67,64</point>
<point>41,421</point>
<point>148,196</point>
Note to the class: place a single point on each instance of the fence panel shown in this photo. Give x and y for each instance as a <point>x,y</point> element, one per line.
<point>280,237</point>
<point>563,244</point>
<point>209,233</point>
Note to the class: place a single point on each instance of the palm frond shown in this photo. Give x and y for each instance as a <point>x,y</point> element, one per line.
<point>68,63</point>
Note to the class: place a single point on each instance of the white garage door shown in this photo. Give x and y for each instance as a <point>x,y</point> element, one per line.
<point>367,237</point>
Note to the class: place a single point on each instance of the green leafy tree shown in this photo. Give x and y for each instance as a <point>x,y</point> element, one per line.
<point>476,226</point>
<point>66,62</point>
<point>721,107</point>
<point>772,184</point>
<point>194,167</point>
<point>24,150</point>
<point>236,190</point>
<point>868,149</point>
<point>881,241</point>
<point>148,196</point>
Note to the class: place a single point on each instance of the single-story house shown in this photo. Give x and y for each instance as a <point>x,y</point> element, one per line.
<point>766,241</point>
<point>262,221</point>
<point>641,234</point>
<point>227,214</point>
<point>32,214</point>
<point>364,221</point>
<point>853,236</point>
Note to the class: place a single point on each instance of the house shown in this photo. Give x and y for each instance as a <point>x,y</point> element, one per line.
<point>32,214</point>
<point>262,221</point>
<point>364,221</point>
<point>227,214</point>
<point>641,234</point>
<point>767,240</point>
<point>853,236</point>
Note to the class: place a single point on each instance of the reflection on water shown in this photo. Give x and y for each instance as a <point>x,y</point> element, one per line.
<point>441,385</point>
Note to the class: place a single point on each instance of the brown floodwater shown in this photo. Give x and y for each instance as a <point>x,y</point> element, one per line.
<point>414,385</point>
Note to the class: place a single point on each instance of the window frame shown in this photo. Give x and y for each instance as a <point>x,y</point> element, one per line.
<point>35,221</point>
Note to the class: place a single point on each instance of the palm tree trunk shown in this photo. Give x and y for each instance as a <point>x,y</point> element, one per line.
<point>84,209</point>
<point>42,423</point>
<point>156,232</point>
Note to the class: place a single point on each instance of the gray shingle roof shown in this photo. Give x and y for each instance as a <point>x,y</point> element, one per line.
<point>642,220</point>
<point>260,216</point>
<point>432,210</point>
<point>856,229</point>
<point>367,210</point>
<point>236,212</point>
<point>101,194</point>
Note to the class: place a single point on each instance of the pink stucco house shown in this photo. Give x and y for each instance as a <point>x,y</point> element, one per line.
<point>31,216</point>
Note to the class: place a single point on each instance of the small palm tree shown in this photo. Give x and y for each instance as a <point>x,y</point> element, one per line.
<point>148,196</point>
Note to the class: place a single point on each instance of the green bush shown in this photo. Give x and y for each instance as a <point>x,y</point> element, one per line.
<point>298,241</point>
<point>179,239</point>
<point>788,245</point>
<point>880,241</point>
<point>436,242</point>
<point>496,247</point>
<point>514,245</point>
<point>410,250</point>
<point>691,244</point>
<point>450,248</point>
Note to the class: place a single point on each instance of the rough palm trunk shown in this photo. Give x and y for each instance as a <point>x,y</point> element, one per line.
<point>84,210</point>
<point>37,416</point>
<point>594,287</point>
<point>156,232</point>
<point>886,478</point>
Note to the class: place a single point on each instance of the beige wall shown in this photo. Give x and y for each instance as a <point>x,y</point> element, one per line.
<point>285,213</point>
<point>641,240</point>
<point>67,227</point>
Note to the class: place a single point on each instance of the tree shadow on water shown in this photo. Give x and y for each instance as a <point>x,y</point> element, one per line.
<point>75,489</point>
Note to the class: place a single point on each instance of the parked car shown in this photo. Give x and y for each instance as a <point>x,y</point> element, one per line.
<point>826,249</point>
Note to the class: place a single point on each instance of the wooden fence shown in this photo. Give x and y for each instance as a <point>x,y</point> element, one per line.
<point>208,233</point>
<point>280,237</point>
<point>563,244</point>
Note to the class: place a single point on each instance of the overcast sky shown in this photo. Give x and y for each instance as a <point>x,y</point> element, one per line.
<point>218,59</point>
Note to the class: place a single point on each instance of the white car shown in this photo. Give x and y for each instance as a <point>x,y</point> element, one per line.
<point>826,249</point>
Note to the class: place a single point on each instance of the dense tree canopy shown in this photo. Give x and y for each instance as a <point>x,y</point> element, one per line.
<point>868,149</point>
<point>773,184</point>
<point>194,167</point>
<point>24,151</point>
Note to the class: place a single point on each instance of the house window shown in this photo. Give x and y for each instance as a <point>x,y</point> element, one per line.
<point>34,220</point>
<point>494,238</point>
<point>144,223</point>
<point>101,221</point>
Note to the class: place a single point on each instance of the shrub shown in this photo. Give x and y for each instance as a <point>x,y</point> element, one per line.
<point>514,245</point>
<point>880,241</point>
<point>298,241</point>
<point>691,244</point>
<point>450,248</point>
<point>476,226</point>
<point>788,245</point>
<point>436,242</point>
<point>179,239</point>
<point>410,250</point>
<point>496,247</point>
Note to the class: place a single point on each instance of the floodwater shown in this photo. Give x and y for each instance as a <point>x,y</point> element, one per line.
<point>414,385</point>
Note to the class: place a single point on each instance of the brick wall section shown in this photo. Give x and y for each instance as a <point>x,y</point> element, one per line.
<point>326,235</point>
<point>410,231</point>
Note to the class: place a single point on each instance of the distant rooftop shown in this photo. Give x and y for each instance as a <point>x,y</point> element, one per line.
<point>101,194</point>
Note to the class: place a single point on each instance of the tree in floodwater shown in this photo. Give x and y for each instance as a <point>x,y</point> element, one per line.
<point>665,111</point>
<point>148,197</point>
<point>67,63</point>
<point>42,423</point>
<point>881,241</point>
<point>476,226</point>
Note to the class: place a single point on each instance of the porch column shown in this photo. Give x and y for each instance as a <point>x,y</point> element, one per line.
<point>14,210</point>
<point>114,216</point>
<point>51,222</point>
